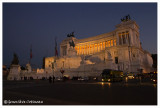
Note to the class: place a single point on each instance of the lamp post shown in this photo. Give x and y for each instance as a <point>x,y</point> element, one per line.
<point>46,75</point>
<point>53,68</point>
<point>84,66</point>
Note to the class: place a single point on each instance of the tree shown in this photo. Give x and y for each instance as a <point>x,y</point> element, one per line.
<point>154,57</point>
<point>23,68</point>
<point>43,65</point>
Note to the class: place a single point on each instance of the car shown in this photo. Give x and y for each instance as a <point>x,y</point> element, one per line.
<point>59,79</point>
<point>83,79</point>
<point>80,79</point>
<point>154,80</point>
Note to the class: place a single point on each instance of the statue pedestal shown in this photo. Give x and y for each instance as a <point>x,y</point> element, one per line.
<point>14,73</point>
<point>72,52</point>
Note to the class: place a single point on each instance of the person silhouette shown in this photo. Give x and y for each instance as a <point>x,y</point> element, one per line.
<point>50,79</point>
<point>53,78</point>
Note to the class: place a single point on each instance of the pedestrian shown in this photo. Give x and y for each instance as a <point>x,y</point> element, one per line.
<point>50,79</point>
<point>53,78</point>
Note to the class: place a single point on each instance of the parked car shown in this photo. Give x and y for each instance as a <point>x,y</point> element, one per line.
<point>112,75</point>
<point>154,80</point>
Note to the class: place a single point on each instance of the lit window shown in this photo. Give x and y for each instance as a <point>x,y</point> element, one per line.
<point>111,42</point>
<point>90,48</point>
<point>115,42</point>
<point>95,47</point>
<point>80,50</point>
<point>98,47</point>
<point>87,49</point>
<point>77,50</point>
<point>75,47</point>
<point>103,45</point>
<point>106,44</point>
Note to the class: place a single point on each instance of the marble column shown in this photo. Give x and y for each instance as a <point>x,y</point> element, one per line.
<point>93,48</point>
<point>120,39</point>
<point>98,47</point>
<point>126,35</point>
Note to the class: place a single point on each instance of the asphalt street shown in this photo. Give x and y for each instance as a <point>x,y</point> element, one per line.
<point>79,93</point>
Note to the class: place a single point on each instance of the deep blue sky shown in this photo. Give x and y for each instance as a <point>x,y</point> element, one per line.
<point>37,24</point>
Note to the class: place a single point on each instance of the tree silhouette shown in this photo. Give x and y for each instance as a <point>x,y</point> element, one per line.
<point>43,65</point>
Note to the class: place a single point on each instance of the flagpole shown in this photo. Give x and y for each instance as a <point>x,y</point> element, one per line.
<point>30,54</point>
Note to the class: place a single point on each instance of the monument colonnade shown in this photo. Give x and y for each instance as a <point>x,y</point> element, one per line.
<point>94,46</point>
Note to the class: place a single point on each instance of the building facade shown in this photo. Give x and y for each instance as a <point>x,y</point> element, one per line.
<point>118,50</point>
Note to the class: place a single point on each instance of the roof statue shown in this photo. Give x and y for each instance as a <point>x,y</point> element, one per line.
<point>70,35</point>
<point>15,60</point>
<point>126,18</point>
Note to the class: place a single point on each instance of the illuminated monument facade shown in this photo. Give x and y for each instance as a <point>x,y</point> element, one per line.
<point>118,50</point>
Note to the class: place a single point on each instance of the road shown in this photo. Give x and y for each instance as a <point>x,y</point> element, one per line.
<point>80,93</point>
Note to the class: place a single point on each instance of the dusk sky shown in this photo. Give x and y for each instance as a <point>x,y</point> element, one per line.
<point>36,24</point>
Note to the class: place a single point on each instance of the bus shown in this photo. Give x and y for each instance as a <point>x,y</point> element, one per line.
<point>110,75</point>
